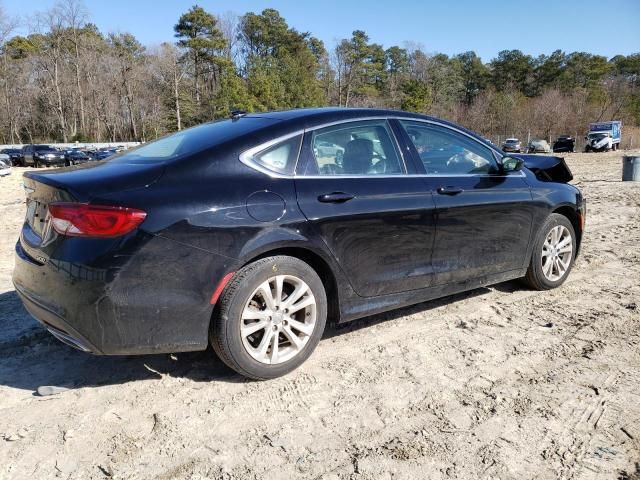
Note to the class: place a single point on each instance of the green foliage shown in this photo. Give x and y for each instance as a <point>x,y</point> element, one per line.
<point>282,65</point>
<point>473,73</point>
<point>416,96</point>
<point>512,69</point>
<point>19,48</point>
<point>584,70</point>
<point>198,33</point>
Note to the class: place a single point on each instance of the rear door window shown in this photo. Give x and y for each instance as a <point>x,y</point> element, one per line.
<point>355,148</point>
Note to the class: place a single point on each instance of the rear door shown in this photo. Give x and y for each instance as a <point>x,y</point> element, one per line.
<point>483,216</point>
<point>378,222</point>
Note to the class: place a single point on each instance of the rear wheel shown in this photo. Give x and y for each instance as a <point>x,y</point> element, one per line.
<point>270,317</point>
<point>553,254</point>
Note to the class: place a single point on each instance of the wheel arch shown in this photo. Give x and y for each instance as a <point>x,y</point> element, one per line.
<point>315,261</point>
<point>571,213</point>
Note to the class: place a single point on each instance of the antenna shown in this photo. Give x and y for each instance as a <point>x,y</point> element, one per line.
<point>236,114</point>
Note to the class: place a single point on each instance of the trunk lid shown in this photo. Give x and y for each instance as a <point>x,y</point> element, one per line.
<point>79,184</point>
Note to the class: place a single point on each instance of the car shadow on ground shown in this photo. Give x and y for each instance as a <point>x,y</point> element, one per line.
<point>30,357</point>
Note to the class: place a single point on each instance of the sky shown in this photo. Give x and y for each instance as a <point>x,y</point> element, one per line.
<point>604,27</point>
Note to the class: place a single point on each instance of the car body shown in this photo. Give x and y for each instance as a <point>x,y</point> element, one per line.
<point>512,145</point>
<point>74,157</point>
<point>5,165</point>
<point>538,146</point>
<point>42,155</point>
<point>151,250</point>
<point>564,143</point>
<point>15,155</point>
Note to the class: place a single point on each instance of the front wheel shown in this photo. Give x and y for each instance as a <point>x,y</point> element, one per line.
<point>269,318</point>
<point>553,254</point>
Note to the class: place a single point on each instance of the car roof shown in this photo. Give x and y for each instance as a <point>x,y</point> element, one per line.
<point>318,116</point>
<point>312,117</point>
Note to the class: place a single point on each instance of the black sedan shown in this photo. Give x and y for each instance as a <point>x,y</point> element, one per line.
<point>564,143</point>
<point>237,234</point>
<point>103,153</point>
<point>74,157</point>
<point>15,155</point>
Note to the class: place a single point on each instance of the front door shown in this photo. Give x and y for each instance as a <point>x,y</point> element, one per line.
<point>483,216</point>
<point>377,221</point>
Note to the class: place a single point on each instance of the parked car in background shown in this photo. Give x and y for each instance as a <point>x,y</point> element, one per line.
<point>42,156</point>
<point>15,155</point>
<point>538,146</point>
<point>564,143</point>
<point>512,145</point>
<point>5,165</point>
<point>237,234</point>
<point>74,157</point>
<point>103,153</point>
<point>330,150</point>
<point>603,136</point>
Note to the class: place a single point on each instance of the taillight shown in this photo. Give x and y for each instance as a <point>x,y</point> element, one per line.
<point>84,220</point>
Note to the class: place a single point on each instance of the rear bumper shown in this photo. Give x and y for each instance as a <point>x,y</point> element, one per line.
<point>152,298</point>
<point>53,322</point>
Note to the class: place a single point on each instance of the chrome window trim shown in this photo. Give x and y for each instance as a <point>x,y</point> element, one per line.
<point>246,157</point>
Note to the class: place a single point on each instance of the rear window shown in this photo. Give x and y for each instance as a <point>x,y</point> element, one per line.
<point>192,140</point>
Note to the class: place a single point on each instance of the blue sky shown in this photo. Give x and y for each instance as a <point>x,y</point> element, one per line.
<point>605,27</point>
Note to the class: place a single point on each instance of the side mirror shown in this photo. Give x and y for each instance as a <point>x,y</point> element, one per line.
<point>511,164</point>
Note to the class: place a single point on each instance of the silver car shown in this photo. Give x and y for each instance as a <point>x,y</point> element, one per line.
<point>539,146</point>
<point>512,145</point>
<point>5,165</point>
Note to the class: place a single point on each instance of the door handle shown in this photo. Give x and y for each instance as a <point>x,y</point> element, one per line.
<point>335,197</point>
<point>450,190</point>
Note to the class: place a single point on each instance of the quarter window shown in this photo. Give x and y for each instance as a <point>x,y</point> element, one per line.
<point>444,151</point>
<point>355,148</point>
<point>281,157</point>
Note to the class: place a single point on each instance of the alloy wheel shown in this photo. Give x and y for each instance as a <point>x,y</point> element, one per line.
<point>278,319</point>
<point>557,253</point>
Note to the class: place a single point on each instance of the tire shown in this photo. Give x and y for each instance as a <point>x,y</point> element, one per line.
<point>242,298</point>
<point>539,276</point>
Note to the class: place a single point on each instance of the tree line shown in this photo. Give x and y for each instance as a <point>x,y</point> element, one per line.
<point>68,81</point>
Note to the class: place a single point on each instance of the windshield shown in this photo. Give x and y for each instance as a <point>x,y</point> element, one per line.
<point>597,136</point>
<point>192,140</point>
<point>511,140</point>
<point>44,148</point>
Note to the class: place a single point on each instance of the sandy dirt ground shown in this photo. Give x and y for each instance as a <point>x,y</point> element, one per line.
<point>498,383</point>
